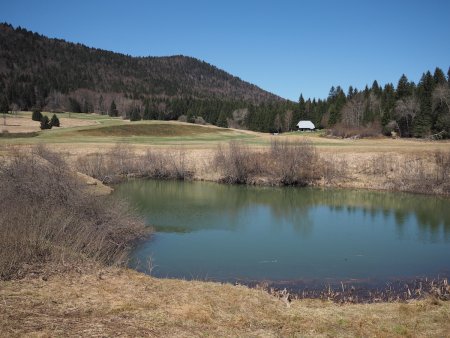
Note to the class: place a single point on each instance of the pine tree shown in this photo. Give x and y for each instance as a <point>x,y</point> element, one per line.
<point>54,121</point>
<point>376,89</point>
<point>439,77</point>
<point>147,115</point>
<point>350,93</point>
<point>423,121</point>
<point>4,108</point>
<point>37,115</point>
<point>403,88</point>
<point>135,114</point>
<point>45,123</point>
<point>387,103</point>
<point>113,110</point>
<point>222,120</point>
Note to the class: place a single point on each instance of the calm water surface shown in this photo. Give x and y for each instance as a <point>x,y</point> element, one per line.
<point>222,232</point>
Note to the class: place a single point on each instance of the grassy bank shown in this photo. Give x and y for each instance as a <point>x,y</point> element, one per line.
<point>296,162</point>
<point>118,302</point>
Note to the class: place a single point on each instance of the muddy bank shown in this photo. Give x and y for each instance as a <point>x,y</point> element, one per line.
<point>360,291</point>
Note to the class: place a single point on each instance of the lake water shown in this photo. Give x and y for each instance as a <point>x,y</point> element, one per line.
<point>245,233</point>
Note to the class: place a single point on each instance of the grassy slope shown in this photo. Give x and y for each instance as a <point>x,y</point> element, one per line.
<point>109,130</point>
<point>122,302</point>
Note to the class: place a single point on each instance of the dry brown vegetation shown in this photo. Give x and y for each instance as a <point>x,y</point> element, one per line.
<point>48,217</point>
<point>345,131</point>
<point>119,302</point>
<point>123,161</point>
<point>286,163</point>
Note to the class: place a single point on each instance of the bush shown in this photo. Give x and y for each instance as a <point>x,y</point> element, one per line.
<point>135,115</point>
<point>37,115</point>
<point>237,163</point>
<point>54,121</point>
<point>48,217</point>
<point>343,131</point>
<point>45,123</point>
<point>293,163</point>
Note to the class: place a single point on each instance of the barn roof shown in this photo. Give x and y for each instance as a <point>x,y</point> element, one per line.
<point>306,125</point>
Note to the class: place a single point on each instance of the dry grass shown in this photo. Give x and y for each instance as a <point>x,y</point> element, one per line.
<point>24,124</point>
<point>118,302</point>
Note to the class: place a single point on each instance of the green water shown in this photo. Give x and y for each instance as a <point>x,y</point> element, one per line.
<point>223,232</point>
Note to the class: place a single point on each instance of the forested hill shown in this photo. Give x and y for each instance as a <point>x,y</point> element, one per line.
<point>36,70</point>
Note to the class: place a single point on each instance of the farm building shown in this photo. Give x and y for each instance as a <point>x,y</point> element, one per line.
<point>306,125</point>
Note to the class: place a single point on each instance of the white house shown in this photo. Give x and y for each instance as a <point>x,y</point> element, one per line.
<point>306,125</point>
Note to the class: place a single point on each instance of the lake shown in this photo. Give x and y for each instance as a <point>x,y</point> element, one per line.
<point>245,233</point>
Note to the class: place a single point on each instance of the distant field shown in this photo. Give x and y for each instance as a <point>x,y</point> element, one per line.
<point>159,130</point>
<point>90,130</point>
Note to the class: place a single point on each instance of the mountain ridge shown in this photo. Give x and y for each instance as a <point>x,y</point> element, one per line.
<point>32,66</point>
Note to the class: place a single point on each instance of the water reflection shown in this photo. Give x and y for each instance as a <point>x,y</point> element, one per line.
<point>190,206</point>
<point>207,230</point>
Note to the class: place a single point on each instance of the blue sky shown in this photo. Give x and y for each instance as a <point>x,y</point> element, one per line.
<point>286,47</point>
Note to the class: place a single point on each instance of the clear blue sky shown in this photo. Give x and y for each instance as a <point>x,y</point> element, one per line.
<point>286,47</point>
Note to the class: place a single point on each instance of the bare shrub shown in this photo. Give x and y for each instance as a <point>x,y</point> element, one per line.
<point>122,161</point>
<point>333,168</point>
<point>167,165</point>
<point>94,165</point>
<point>286,163</point>
<point>293,163</point>
<point>442,170</point>
<point>343,131</point>
<point>237,163</point>
<point>48,217</point>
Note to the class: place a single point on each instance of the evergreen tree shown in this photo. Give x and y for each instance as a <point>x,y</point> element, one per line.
<point>36,115</point>
<point>439,77</point>
<point>403,88</point>
<point>135,114</point>
<point>45,123</point>
<point>350,93</point>
<point>222,120</point>
<point>54,121</point>
<point>423,121</point>
<point>376,88</point>
<point>113,110</point>
<point>4,108</point>
<point>387,104</point>
<point>147,114</point>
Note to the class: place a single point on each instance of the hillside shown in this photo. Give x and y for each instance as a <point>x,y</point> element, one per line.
<point>36,70</point>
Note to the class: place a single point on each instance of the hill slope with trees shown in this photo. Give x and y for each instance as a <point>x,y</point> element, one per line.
<point>39,71</point>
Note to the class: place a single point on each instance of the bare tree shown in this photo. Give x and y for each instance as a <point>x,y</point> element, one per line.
<point>277,123</point>
<point>441,96</point>
<point>407,109</point>
<point>288,120</point>
<point>353,111</point>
